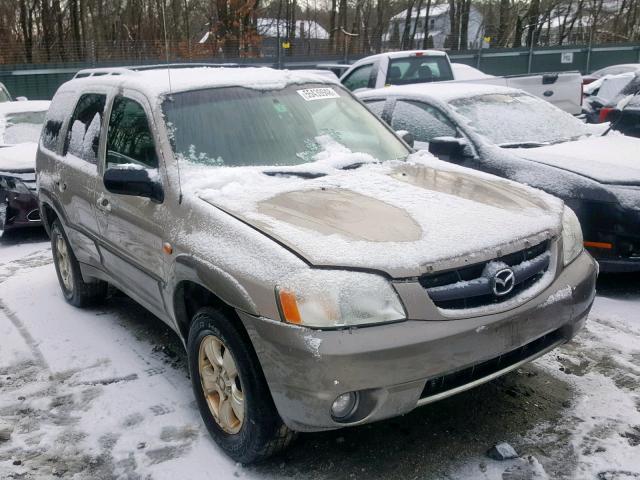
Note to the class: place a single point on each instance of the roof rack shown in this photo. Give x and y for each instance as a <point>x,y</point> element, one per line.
<point>104,71</point>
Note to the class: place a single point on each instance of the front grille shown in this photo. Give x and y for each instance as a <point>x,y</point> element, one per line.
<point>471,286</point>
<point>444,383</point>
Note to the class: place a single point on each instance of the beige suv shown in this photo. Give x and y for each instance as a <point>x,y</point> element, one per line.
<point>319,272</point>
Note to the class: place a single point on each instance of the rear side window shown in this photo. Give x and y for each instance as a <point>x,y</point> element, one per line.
<point>376,106</point>
<point>130,140</point>
<point>404,71</point>
<point>59,109</point>
<point>83,135</point>
<point>421,120</point>
<point>359,78</point>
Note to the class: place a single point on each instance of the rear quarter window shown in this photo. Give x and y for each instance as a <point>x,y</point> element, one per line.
<point>59,110</point>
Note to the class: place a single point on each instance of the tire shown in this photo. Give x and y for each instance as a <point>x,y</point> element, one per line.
<point>75,290</point>
<point>261,432</point>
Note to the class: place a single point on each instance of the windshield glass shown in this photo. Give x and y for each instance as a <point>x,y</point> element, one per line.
<point>518,119</point>
<point>21,127</point>
<point>235,126</point>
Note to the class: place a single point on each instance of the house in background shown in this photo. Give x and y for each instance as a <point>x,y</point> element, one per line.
<point>309,36</point>
<point>439,28</point>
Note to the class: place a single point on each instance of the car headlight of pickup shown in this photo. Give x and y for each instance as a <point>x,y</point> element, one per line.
<point>572,242</point>
<point>335,298</point>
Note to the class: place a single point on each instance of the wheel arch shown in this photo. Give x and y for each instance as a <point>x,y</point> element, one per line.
<point>198,284</point>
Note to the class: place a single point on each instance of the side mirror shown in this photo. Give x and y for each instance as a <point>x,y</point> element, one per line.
<point>447,148</point>
<point>407,137</point>
<point>134,182</point>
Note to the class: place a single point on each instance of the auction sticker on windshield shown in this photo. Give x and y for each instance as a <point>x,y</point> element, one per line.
<point>310,94</point>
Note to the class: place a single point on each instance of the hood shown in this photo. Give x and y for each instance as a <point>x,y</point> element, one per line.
<point>18,158</point>
<point>402,218</point>
<point>612,159</point>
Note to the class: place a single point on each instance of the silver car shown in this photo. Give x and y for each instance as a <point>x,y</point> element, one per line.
<point>320,273</point>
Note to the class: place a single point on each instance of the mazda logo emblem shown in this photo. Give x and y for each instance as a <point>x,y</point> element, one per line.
<point>503,282</point>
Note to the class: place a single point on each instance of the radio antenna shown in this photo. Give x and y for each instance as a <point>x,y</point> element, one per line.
<point>166,45</point>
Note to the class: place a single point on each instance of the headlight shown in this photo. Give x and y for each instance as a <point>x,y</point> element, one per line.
<point>572,242</point>
<point>334,298</point>
<point>12,184</point>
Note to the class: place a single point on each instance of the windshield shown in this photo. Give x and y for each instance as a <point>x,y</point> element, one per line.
<point>21,127</point>
<point>237,126</point>
<point>518,119</point>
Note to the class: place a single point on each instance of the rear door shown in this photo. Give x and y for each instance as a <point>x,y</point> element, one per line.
<point>78,173</point>
<point>132,227</point>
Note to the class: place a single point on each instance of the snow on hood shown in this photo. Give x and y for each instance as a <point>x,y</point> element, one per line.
<point>398,216</point>
<point>612,159</point>
<point>18,157</point>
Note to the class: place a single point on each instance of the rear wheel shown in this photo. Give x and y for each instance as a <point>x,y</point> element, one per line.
<point>231,391</point>
<point>75,290</point>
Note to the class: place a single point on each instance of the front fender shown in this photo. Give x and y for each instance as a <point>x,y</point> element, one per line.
<point>219,282</point>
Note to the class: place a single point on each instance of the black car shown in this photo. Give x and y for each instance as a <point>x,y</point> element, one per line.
<point>627,119</point>
<point>512,134</point>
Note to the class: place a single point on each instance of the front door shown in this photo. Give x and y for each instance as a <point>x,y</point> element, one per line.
<point>132,227</point>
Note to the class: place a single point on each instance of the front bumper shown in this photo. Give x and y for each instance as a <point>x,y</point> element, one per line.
<point>611,233</point>
<point>390,365</point>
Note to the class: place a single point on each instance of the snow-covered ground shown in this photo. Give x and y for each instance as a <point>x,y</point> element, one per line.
<point>104,393</point>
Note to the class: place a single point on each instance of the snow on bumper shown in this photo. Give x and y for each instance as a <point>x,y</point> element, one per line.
<point>389,365</point>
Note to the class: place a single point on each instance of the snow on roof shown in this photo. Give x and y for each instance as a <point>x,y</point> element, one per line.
<point>160,81</point>
<point>434,11</point>
<point>18,157</point>
<point>443,91</point>
<point>268,27</point>
<point>23,107</point>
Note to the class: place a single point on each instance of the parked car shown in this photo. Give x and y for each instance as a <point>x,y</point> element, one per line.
<point>564,90</point>
<point>610,70</point>
<point>515,135</point>
<point>20,126</point>
<point>319,274</point>
<point>625,119</point>
<point>601,93</point>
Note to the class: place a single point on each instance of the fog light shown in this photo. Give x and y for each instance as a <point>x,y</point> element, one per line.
<point>344,405</point>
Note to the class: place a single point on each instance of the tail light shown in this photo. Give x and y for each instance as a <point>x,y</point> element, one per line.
<point>604,114</point>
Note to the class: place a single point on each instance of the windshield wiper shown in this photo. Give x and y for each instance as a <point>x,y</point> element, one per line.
<point>289,173</point>
<point>522,145</point>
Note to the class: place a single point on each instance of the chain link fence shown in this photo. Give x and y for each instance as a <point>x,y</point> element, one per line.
<point>52,66</point>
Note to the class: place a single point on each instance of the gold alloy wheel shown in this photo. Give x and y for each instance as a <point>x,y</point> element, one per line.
<point>64,262</point>
<point>221,384</point>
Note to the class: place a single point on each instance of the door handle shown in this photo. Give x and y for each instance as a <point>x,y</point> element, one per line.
<point>103,204</point>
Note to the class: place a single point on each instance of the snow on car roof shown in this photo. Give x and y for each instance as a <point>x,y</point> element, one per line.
<point>160,81</point>
<point>443,91</point>
<point>24,106</point>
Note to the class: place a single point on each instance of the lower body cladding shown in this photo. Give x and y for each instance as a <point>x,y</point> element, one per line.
<point>384,371</point>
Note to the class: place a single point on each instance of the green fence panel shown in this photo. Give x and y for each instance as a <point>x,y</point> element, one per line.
<point>41,81</point>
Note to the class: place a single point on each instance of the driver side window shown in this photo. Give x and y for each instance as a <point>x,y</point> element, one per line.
<point>130,139</point>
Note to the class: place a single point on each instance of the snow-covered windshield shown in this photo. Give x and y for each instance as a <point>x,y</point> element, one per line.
<point>518,119</point>
<point>21,127</point>
<point>235,126</point>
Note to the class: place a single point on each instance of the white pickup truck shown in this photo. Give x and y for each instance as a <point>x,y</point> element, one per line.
<point>564,90</point>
